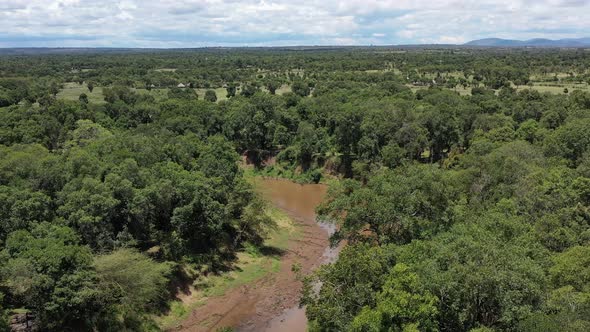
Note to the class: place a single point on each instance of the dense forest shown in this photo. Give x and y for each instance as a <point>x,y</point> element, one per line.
<point>459,181</point>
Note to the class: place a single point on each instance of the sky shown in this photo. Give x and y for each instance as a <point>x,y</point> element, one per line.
<point>203,23</point>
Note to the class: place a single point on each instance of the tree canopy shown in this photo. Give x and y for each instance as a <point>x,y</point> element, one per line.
<point>459,181</point>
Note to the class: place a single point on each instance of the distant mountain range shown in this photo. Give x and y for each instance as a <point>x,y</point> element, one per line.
<point>539,42</point>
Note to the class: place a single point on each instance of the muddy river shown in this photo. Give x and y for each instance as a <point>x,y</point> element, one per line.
<point>299,201</point>
<point>271,304</point>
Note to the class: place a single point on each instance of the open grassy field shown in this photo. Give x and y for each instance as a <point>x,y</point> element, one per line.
<point>163,93</point>
<point>282,90</point>
<point>455,74</point>
<point>462,91</point>
<point>538,86</point>
<point>557,88</point>
<point>389,69</point>
<point>159,94</point>
<point>540,77</point>
<point>220,92</point>
<point>72,91</point>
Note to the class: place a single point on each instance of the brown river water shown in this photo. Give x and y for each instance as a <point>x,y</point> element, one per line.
<point>298,201</point>
<point>271,304</point>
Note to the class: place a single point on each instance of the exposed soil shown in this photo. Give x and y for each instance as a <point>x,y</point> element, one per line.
<point>270,304</point>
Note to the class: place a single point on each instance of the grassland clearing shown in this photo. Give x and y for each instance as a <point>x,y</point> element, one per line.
<point>72,91</point>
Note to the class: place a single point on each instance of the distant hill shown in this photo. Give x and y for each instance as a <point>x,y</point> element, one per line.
<point>539,42</point>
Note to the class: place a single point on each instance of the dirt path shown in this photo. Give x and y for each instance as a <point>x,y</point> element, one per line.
<point>261,306</point>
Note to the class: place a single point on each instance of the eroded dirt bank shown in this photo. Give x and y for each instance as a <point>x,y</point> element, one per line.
<point>270,304</point>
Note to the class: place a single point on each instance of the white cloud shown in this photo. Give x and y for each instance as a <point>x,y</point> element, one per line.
<point>451,40</point>
<point>167,23</point>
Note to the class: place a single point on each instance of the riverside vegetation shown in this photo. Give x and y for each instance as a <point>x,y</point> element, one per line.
<point>461,182</point>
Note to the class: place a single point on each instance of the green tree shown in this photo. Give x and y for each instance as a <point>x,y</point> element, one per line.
<point>487,272</point>
<point>392,155</point>
<point>219,159</point>
<point>211,96</point>
<point>83,99</point>
<point>22,209</point>
<point>572,268</point>
<point>137,283</point>
<point>570,140</point>
<point>443,131</point>
<point>88,205</point>
<point>413,139</point>
<point>272,85</point>
<point>179,93</point>
<point>87,132</point>
<point>254,224</point>
<point>47,271</point>
<point>231,90</point>
<point>300,88</point>
<point>395,206</point>
<point>347,286</point>
<point>249,89</point>
<point>54,88</point>
<point>402,305</point>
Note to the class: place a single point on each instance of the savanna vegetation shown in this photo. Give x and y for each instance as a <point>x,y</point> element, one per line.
<point>462,185</point>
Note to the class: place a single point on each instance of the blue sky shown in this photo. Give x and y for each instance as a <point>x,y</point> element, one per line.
<point>198,23</point>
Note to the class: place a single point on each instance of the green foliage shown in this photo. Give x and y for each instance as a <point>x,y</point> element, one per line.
<point>402,305</point>
<point>272,85</point>
<point>570,141</point>
<point>394,206</point>
<point>86,132</point>
<point>487,272</point>
<point>88,206</point>
<point>572,268</point>
<point>49,272</point>
<point>249,89</point>
<point>136,283</point>
<point>218,159</point>
<point>83,98</point>
<point>300,88</point>
<point>254,226</point>
<point>347,286</point>
<point>463,191</point>
<point>210,95</point>
<point>393,155</point>
<point>231,90</point>
<point>22,209</point>
<point>182,93</point>
<point>568,305</point>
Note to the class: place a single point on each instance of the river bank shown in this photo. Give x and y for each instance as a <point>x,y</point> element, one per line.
<point>267,299</point>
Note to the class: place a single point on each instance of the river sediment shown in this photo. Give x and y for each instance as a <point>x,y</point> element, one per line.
<point>271,303</point>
